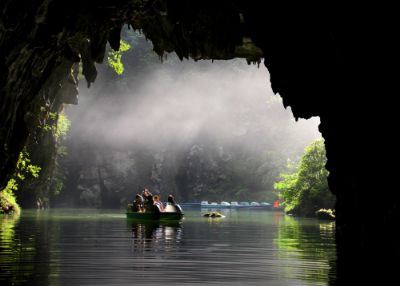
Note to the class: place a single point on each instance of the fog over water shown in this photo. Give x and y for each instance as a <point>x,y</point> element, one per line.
<point>177,102</point>
<point>198,130</point>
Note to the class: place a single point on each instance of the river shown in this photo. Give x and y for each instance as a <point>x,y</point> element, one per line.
<point>101,247</point>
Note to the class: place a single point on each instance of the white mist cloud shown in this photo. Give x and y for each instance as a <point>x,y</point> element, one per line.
<point>174,105</point>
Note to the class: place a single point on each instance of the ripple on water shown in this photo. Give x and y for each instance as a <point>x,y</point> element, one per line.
<point>69,248</point>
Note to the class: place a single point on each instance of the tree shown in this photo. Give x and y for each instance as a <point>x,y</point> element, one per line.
<point>305,189</point>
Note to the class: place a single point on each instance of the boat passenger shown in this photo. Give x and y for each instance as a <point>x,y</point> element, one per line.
<point>137,205</point>
<point>148,200</point>
<point>158,203</point>
<point>172,206</point>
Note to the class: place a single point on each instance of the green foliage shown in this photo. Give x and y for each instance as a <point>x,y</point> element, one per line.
<point>63,125</point>
<point>7,198</point>
<point>114,57</point>
<point>24,168</point>
<point>305,189</point>
<point>58,123</point>
<point>58,186</point>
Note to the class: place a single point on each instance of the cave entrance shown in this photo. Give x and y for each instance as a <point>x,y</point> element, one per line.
<point>199,130</point>
<point>214,128</point>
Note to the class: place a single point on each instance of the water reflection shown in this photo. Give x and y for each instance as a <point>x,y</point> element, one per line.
<point>10,254</point>
<point>7,232</point>
<point>23,253</point>
<point>87,248</point>
<point>301,240</point>
<point>155,236</point>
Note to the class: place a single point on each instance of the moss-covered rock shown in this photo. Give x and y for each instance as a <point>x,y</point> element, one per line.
<point>214,215</point>
<point>326,214</point>
<point>8,203</point>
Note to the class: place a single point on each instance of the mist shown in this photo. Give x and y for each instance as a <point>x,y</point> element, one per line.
<point>175,104</point>
<point>200,130</point>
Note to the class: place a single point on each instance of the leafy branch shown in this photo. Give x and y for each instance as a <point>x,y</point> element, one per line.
<point>114,57</point>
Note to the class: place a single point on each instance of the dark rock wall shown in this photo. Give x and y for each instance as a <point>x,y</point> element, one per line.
<point>337,64</point>
<point>330,61</point>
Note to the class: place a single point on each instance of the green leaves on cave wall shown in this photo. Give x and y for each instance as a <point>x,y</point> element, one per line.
<point>24,169</point>
<point>58,123</point>
<point>46,149</point>
<point>114,57</point>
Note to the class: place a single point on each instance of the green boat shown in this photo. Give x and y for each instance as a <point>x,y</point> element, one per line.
<point>155,215</point>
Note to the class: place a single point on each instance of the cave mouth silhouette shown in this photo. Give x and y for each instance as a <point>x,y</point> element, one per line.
<point>325,60</point>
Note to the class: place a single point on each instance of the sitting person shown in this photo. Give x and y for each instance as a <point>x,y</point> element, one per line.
<point>137,205</point>
<point>158,203</point>
<point>148,200</point>
<point>172,206</point>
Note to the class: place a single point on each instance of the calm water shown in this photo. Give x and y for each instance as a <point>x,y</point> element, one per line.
<point>91,247</point>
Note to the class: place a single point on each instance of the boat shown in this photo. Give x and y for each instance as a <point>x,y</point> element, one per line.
<point>190,205</point>
<point>236,205</point>
<point>214,205</point>
<point>155,215</point>
<point>244,204</point>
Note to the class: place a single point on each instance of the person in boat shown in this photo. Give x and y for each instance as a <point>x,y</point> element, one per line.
<point>148,200</point>
<point>172,206</point>
<point>158,203</point>
<point>137,205</point>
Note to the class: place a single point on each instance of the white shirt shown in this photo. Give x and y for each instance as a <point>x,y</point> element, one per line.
<point>170,208</point>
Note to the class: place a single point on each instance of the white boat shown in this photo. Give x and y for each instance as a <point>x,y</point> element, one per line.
<point>222,205</point>
<point>234,205</point>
